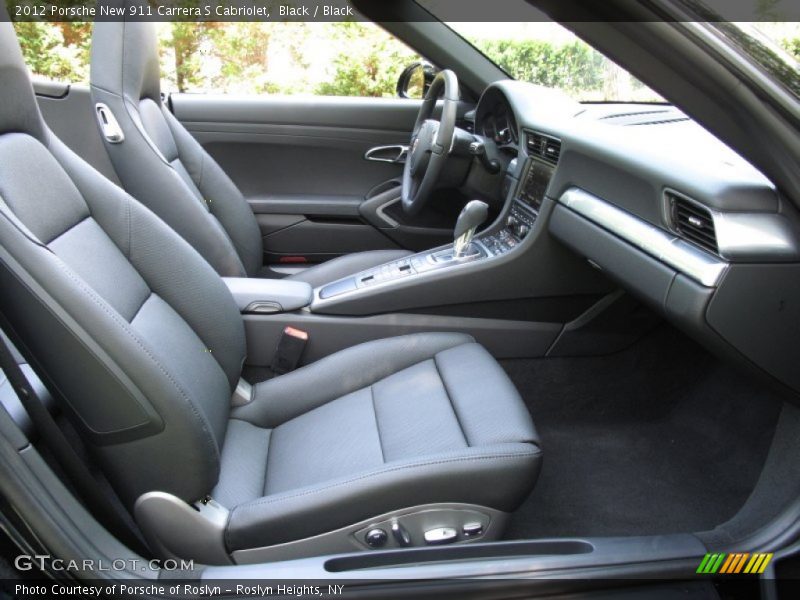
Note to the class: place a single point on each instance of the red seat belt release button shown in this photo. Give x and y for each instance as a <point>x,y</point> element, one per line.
<point>289,351</point>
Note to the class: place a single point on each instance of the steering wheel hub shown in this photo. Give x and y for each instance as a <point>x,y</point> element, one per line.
<point>422,146</point>
<point>430,143</point>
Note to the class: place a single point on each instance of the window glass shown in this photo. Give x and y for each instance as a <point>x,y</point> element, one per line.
<point>535,49</point>
<point>548,54</point>
<point>338,59</point>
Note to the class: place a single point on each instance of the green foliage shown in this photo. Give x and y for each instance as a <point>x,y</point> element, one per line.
<point>57,51</point>
<point>183,40</point>
<point>792,46</point>
<point>341,59</point>
<point>369,63</point>
<point>573,67</point>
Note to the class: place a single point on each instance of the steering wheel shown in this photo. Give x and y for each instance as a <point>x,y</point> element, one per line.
<point>431,142</point>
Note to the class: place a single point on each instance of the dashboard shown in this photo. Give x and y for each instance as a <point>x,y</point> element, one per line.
<point>663,208</point>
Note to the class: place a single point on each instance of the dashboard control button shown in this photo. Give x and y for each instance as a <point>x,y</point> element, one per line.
<point>376,538</point>
<point>441,535</point>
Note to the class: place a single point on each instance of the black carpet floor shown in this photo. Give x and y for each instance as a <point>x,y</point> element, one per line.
<point>660,438</point>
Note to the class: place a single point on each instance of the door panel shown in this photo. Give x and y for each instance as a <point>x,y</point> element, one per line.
<point>300,162</point>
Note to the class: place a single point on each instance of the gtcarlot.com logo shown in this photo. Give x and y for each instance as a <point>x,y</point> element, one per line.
<point>45,562</point>
<point>735,563</point>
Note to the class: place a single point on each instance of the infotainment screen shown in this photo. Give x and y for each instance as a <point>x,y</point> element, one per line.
<point>534,183</point>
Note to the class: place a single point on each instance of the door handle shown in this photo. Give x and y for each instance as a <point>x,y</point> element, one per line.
<point>390,154</point>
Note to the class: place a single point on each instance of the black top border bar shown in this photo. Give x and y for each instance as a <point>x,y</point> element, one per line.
<point>392,10</point>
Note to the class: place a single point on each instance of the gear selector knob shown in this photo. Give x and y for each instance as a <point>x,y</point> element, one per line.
<point>472,216</point>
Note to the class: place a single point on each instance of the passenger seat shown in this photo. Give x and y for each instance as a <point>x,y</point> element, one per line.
<point>165,168</point>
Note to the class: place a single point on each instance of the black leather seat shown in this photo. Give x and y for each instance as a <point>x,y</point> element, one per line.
<point>145,345</point>
<point>160,164</point>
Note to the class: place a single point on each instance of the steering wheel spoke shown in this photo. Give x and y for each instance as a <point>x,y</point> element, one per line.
<point>431,141</point>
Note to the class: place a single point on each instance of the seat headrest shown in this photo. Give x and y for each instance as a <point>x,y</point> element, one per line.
<point>19,111</point>
<point>125,56</point>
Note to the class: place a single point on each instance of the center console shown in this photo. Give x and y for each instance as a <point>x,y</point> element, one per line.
<point>268,296</point>
<point>497,241</point>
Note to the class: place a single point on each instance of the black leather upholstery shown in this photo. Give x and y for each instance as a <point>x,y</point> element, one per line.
<point>144,344</point>
<point>374,428</point>
<point>8,397</point>
<point>164,167</point>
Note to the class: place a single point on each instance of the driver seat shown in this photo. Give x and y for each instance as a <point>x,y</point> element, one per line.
<point>164,167</point>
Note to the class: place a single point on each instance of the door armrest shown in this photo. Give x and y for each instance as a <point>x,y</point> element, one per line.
<point>266,296</point>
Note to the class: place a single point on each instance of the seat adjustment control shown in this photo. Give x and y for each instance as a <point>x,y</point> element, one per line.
<point>441,535</point>
<point>472,529</point>
<point>401,534</point>
<point>376,538</point>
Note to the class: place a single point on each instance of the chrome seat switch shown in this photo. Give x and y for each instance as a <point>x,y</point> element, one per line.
<point>441,535</point>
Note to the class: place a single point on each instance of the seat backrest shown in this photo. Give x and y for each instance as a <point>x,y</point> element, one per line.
<point>131,329</point>
<point>159,163</point>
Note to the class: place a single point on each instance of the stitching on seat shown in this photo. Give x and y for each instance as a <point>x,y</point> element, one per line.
<point>377,424</point>
<point>270,433</point>
<point>125,327</point>
<point>130,228</point>
<point>450,400</point>
<point>141,306</point>
<point>202,165</point>
<point>70,228</point>
<point>14,221</point>
<point>252,503</point>
<point>320,364</point>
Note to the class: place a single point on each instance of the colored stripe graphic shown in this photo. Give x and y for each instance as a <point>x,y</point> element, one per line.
<point>727,564</point>
<point>740,563</point>
<point>710,563</point>
<point>736,562</point>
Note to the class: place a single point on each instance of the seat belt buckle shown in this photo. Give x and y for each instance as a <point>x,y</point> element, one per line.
<point>289,351</point>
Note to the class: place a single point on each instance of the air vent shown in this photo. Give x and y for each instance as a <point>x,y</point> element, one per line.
<point>543,146</point>
<point>693,221</point>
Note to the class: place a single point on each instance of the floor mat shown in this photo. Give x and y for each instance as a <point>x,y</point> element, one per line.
<point>660,438</point>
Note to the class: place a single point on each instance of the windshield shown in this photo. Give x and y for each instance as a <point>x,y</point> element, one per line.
<point>548,54</point>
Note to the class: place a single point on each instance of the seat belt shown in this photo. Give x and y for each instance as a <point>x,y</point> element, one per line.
<point>98,503</point>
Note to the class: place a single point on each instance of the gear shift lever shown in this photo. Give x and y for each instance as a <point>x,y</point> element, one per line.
<point>472,216</point>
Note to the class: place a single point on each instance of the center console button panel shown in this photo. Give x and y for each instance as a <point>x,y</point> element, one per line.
<point>519,223</point>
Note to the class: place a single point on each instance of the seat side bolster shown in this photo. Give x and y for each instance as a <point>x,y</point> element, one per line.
<point>488,406</point>
<point>224,199</point>
<point>497,476</point>
<point>291,395</point>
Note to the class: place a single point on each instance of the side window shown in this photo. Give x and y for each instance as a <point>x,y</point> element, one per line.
<point>332,59</point>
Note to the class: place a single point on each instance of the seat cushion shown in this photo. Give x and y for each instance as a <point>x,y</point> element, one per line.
<point>378,427</point>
